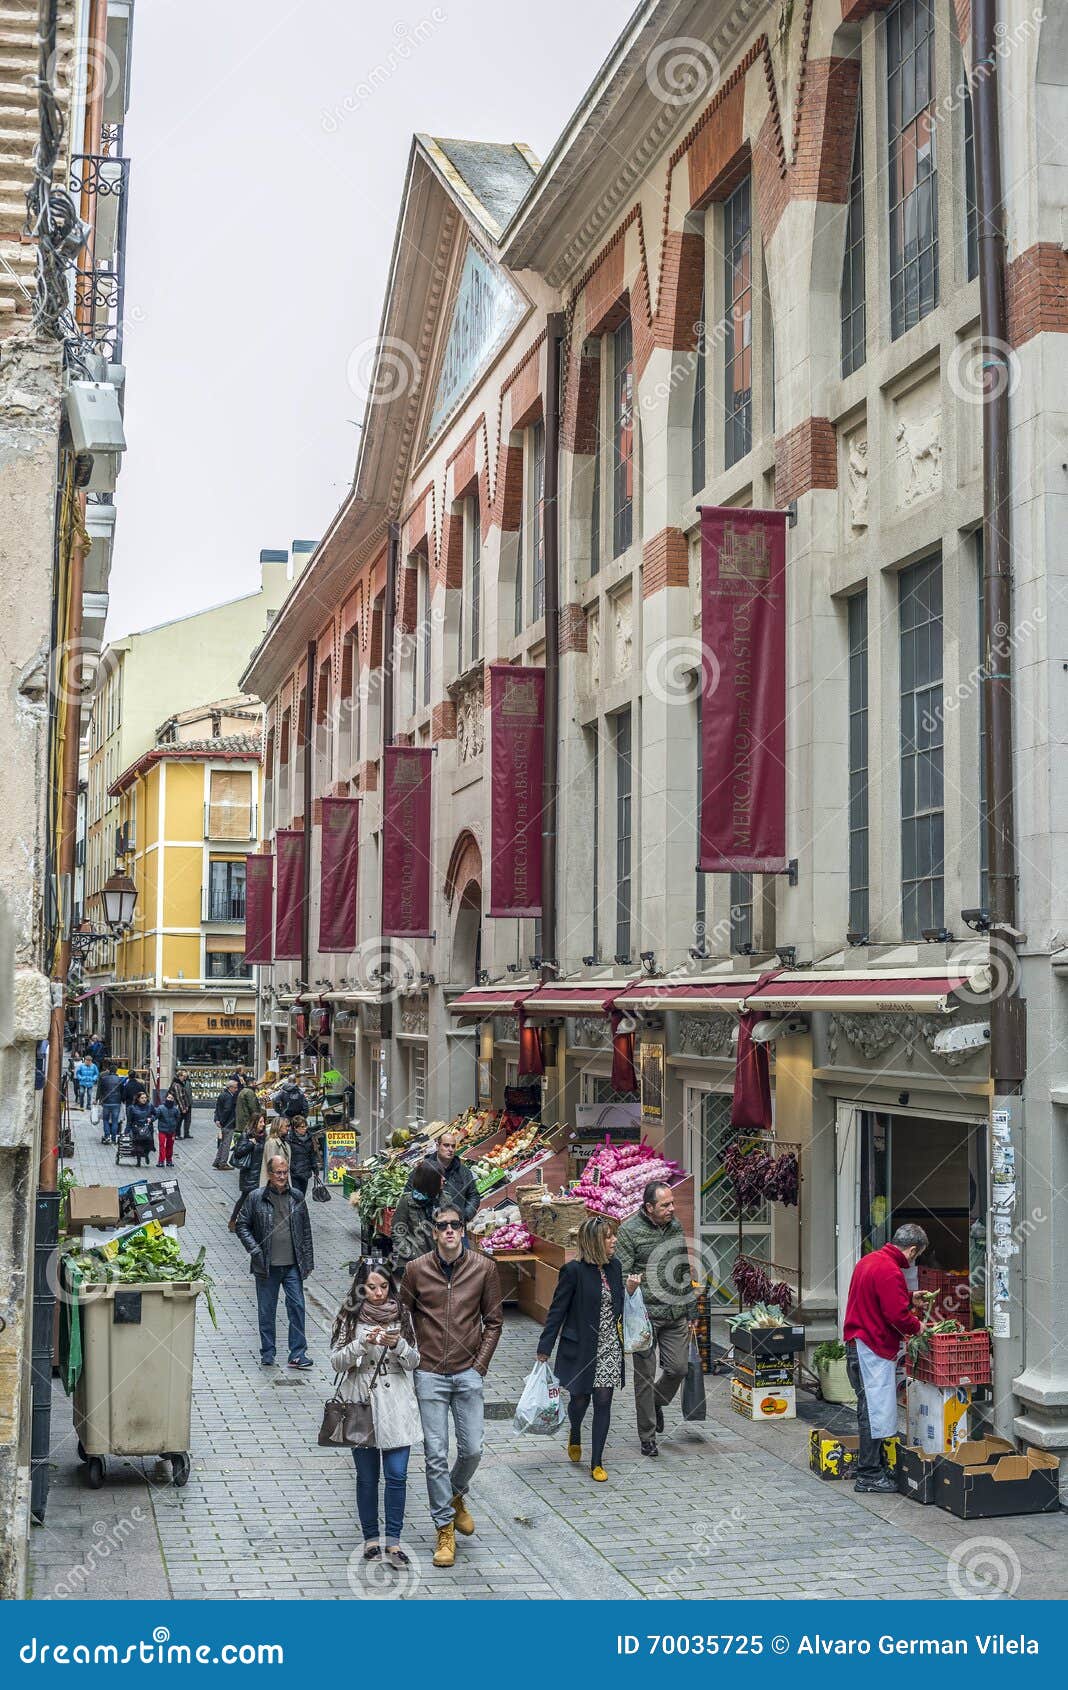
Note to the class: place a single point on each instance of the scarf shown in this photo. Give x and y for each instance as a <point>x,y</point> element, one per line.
<point>379,1314</point>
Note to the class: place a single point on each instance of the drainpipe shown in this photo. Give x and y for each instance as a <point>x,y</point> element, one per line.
<point>551,767</point>
<point>389,636</point>
<point>309,744</point>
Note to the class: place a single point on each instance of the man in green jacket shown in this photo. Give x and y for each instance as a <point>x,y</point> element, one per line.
<point>651,1249</point>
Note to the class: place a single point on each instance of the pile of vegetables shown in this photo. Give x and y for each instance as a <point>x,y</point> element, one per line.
<point>513,1147</point>
<point>508,1238</point>
<point>920,1342</point>
<point>145,1261</point>
<point>759,1177</point>
<point>754,1285</point>
<point>380,1190</point>
<point>760,1315</point>
<point>616,1175</point>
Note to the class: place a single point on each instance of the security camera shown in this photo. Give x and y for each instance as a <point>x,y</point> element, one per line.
<point>971,1035</point>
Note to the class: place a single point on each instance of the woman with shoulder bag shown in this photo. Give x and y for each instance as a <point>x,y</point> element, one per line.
<point>373,1346</point>
<point>586,1314</point>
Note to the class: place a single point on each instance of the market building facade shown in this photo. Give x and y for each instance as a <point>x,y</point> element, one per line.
<point>764,294</point>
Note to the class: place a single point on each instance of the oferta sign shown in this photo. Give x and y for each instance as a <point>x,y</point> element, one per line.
<point>486,310</point>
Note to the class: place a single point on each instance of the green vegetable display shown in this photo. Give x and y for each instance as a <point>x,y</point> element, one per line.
<point>146,1261</point>
<point>381,1190</point>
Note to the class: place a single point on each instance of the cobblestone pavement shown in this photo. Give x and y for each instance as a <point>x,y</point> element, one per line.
<point>729,1509</point>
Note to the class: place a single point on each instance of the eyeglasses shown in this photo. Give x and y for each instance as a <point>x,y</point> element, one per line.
<point>448,1226</point>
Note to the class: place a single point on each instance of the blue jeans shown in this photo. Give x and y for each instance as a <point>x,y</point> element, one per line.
<point>394,1464</point>
<point>438,1395</point>
<point>277,1279</point>
<point>111,1122</point>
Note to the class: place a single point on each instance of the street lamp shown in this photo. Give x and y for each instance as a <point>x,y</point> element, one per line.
<point>117,898</point>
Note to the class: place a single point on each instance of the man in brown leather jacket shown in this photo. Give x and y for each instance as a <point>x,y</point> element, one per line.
<point>454,1297</point>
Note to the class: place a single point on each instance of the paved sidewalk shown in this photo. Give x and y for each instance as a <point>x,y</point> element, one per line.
<point>728,1510</point>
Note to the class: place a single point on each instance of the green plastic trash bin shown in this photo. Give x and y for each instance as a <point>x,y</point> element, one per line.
<point>135,1392</point>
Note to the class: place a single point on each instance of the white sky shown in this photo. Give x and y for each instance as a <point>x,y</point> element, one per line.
<point>259,236</point>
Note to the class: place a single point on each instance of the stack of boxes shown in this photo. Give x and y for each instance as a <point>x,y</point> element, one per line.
<point>764,1385</point>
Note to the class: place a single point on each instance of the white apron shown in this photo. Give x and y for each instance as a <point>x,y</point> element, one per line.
<point>880,1391</point>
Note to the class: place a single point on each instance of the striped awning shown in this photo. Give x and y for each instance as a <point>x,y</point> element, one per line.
<point>478,1003</point>
<point>892,993</point>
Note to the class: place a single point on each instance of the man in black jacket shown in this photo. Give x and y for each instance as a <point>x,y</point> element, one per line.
<point>458,1182</point>
<point>183,1097</point>
<point>289,1100</point>
<point>109,1096</point>
<point>225,1121</point>
<point>274,1226</point>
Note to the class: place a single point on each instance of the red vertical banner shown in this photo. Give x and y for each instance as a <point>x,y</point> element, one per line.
<point>337,874</point>
<point>289,894</point>
<point>406,843</point>
<point>517,730</point>
<point>743,691</point>
<point>259,908</point>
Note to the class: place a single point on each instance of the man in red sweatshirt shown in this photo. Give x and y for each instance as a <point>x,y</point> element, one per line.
<point>879,1314</point>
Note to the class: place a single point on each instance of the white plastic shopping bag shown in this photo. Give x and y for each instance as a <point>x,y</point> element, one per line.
<point>541,1407</point>
<point>637,1327</point>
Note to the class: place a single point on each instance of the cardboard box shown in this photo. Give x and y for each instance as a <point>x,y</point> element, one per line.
<point>92,1205</point>
<point>986,1478</point>
<point>937,1416</point>
<point>831,1455</point>
<point>152,1200</point>
<point>768,1340</point>
<point>916,1474</point>
<point>777,1403</point>
<point>762,1375</point>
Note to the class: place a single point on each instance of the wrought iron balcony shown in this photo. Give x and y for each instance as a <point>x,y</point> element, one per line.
<point>101,181</point>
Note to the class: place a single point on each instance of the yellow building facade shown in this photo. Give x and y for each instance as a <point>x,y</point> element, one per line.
<point>189,811</point>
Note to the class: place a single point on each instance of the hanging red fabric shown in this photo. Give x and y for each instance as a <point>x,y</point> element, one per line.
<point>751,1103</point>
<point>624,1078</point>
<point>531,1048</point>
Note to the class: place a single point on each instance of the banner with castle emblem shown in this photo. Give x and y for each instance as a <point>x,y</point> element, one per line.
<point>337,874</point>
<point>289,895</point>
<point>406,843</point>
<point>743,691</point>
<point>517,729</point>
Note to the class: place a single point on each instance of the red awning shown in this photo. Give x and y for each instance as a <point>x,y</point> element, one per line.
<point>591,997</point>
<point>478,1002</point>
<point>695,995</point>
<point>923,994</point>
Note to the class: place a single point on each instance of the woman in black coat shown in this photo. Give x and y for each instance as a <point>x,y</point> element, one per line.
<point>586,1315</point>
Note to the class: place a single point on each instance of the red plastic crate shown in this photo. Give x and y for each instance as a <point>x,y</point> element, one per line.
<point>954,1301</point>
<point>954,1358</point>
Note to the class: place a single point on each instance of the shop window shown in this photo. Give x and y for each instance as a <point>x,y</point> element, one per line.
<point>226,891</point>
<point>537,527</point>
<point>222,961</point>
<point>854,314</point>
<point>623,437</point>
<point>910,45</point>
<point>741,896</point>
<point>698,467</point>
<point>624,840</point>
<point>857,611</point>
<point>717,1216</point>
<point>230,806</point>
<point>922,797</point>
<point>738,324</point>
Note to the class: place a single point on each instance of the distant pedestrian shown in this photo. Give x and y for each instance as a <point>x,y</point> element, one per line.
<point>168,1120</point>
<point>289,1100</point>
<point>275,1228</point>
<point>277,1145</point>
<point>183,1097</point>
<point>879,1315</point>
<point>86,1074</point>
<point>97,1050</point>
<point>458,1182</point>
<point>109,1096</point>
<point>248,1159</point>
<point>373,1346</point>
<point>141,1124</point>
<point>246,1108</point>
<point>225,1123</point>
<point>131,1090</point>
<point>651,1249</point>
<point>454,1298</point>
<point>305,1153</point>
<point>412,1233</point>
<point>586,1315</point>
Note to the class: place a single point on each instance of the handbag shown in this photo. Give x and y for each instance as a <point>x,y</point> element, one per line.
<point>320,1190</point>
<point>694,1406</point>
<point>96,1114</point>
<point>349,1425</point>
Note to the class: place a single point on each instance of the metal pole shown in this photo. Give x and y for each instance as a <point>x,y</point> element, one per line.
<point>308,728</point>
<point>551,766</point>
<point>389,636</point>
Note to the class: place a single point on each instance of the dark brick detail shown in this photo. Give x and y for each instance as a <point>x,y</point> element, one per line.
<point>572,629</point>
<point>1036,293</point>
<point>805,458</point>
<point>443,721</point>
<point>665,562</point>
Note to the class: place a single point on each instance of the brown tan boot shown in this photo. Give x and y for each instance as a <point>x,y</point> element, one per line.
<point>461,1518</point>
<point>445,1553</point>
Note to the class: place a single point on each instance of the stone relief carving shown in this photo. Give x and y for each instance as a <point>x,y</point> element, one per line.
<point>874,1034</point>
<point>507,1029</point>
<point>415,1018</point>
<point>623,634</point>
<point>372,1018</point>
<point>920,447</point>
<point>470,722</point>
<point>593,648</point>
<point>857,467</point>
<point>705,1035</point>
<point>590,1030</point>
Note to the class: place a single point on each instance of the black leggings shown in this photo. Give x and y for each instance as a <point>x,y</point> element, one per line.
<point>602,1419</point>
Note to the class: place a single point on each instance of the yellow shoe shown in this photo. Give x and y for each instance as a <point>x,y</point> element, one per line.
<point>599,1474</point>
<point>574,1452</point>
<point>445,1553</point>
<point>461,1518</point>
